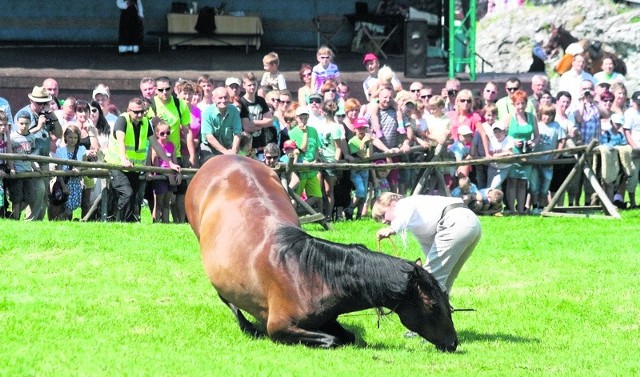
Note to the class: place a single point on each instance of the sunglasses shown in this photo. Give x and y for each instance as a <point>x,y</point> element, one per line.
<point>512,89</point>
<point>330,90</point>
<point>306,74</point>
<point>164,133</point>
<point>162,90</point>
<point>465,100</point>
<point>137,112</point>
<point>315,100</point>
<point>452,92</point>
<point>281,101</point>
<point>426,96</point>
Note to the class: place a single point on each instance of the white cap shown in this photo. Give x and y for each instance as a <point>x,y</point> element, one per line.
<point>302,110</point>
<point>232,80</point>
<point>101,89</point>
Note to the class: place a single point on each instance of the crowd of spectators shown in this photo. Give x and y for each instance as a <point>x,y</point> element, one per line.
<point>184,123</point>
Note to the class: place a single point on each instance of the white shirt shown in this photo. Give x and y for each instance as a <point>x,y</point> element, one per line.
<point>571,81</point>
<point>420,214</point>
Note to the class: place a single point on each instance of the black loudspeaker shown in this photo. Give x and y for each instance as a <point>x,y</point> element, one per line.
<point>415,48</point>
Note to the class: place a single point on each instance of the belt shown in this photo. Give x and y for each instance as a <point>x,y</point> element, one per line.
<point>451,207</point>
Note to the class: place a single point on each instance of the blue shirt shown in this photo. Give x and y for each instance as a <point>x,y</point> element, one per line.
<point>4,106</point>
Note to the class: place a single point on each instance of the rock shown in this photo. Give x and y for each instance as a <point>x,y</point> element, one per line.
<point>506,39</point>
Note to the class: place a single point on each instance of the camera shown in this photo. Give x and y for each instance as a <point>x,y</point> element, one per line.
<point>49,118</point>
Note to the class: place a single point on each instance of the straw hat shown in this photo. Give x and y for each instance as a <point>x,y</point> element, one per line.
<point>39,94</point>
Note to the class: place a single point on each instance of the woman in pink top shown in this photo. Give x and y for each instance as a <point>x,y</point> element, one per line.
<point>464,115</point>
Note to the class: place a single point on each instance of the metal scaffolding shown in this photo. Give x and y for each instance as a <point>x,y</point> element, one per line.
<point>462,38</point>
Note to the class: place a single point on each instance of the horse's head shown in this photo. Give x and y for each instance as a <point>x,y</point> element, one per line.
<point>425,309</point>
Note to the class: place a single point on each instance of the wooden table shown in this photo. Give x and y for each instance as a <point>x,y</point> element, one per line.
<point>230,31</point>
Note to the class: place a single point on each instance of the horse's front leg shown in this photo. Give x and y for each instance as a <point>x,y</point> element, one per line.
<point>246,326</point>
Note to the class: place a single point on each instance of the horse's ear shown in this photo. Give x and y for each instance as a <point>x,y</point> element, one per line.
<point>418,262</point>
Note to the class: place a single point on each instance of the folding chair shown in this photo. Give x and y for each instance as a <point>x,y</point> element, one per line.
<point>328,27</point>
<point>376,36</point>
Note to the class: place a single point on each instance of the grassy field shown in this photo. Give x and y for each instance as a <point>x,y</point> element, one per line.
<point>552,297</point>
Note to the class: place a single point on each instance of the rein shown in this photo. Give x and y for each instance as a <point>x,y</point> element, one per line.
<point>393,246</point>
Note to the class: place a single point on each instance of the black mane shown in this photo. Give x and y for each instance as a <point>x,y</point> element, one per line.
<point>348,269</point>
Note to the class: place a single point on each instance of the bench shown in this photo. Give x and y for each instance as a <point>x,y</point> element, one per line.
<point>195,36</point>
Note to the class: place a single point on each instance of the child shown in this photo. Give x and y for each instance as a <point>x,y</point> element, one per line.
<point>163,189</point>
<point>490,203</point>
<point>385,75</point>
<point>71,150</point>
<point>438,123</point>
<point>272,77</point>
<point>5,166</point>
<point>246,140</point>
<point>290,150</point>
<point>461,147</point>
<point>360,146</point>
<point>468,192</point>
<point>22,192</point>
<point>551,137</point>
<point>324,70</point>
<point>478,147</point>
<point>500,144</point>
<point>380,181</point>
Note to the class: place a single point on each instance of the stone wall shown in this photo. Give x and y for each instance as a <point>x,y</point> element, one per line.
<point>506,39</point>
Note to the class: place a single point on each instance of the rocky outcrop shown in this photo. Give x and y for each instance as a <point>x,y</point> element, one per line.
<point>506,39</point>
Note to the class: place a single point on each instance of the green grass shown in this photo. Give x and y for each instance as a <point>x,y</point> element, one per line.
<point>553,297</point>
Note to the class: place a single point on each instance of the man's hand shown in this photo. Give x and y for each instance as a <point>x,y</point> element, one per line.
<point>385,233</point>
<point>174,166</point>
<point>126,163</point>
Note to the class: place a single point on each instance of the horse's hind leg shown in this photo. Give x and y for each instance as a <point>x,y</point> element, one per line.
<point>282,329</point>
<point>335,328</point>
<point>246,326</point>
<point>298,335</point>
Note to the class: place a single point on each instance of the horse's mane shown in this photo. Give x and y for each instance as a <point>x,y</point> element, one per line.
<point>347,268</point>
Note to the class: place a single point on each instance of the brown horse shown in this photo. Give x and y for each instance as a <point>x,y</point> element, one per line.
<point>593,53</point>
<point>295,286</point>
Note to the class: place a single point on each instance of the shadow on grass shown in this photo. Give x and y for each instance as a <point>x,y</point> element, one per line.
<point>470,336</point>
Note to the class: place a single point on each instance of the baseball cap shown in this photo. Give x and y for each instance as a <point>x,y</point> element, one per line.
<point>232,80</point>
<point>465,130</point>
<point>315,96</point>
<point>497,125</point>
<point>360,123</point>
<point>369,57</point>
<point>289,144</point>
<point>302,110</point>
<point>100,89</point>
<point>636,96</point>
<point>617,118</point>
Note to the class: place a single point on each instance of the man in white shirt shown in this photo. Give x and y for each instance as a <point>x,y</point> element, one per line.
<point>446,229</point>
<point>571,80</point>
